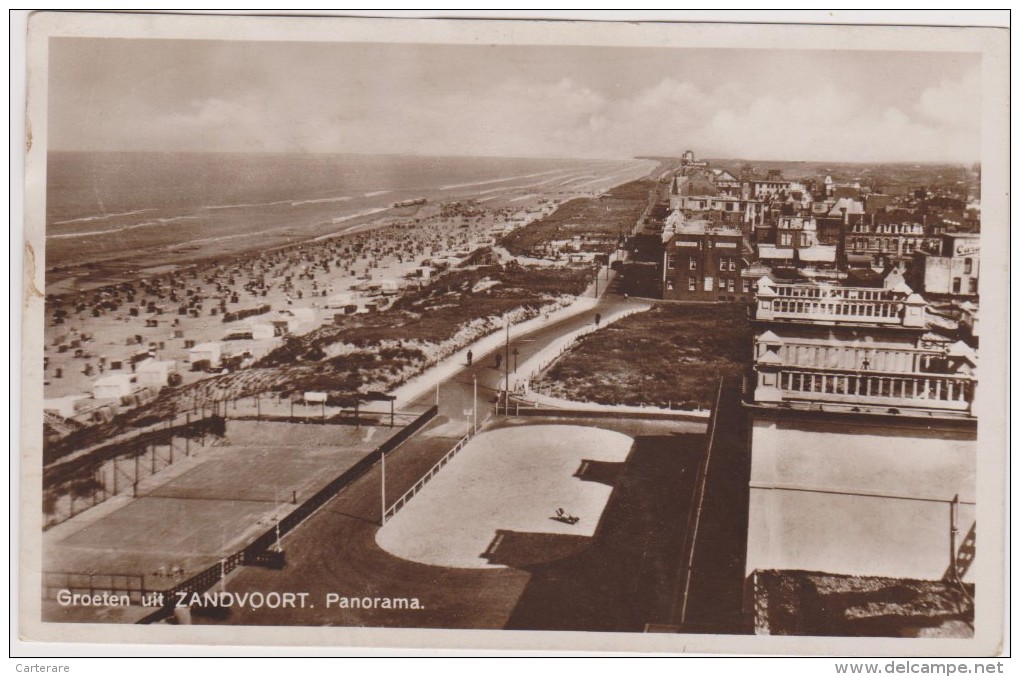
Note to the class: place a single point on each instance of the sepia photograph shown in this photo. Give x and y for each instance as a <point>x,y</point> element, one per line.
<point>592,335</point>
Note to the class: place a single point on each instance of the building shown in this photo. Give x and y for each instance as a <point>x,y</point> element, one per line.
<point>702,262</point>
<point>955,271</point>
<point>881,244</point>
<point>726,182</point>
<point>771,186</point>
<point>688,160</point>
<point>718,208</point>
<point>863,436</point>
<point>794,242</point>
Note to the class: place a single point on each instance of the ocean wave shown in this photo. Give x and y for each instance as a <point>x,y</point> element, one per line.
<point>577,178</point>
<point>490,181</point>
<point>343,198</point>
<point>377,192</point>
<point>102,217</point>
<point>112,231</point>
<point>245,206</point>
<point>366,212</point>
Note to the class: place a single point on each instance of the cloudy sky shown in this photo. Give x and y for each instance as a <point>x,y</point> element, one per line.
<point>191,95</point>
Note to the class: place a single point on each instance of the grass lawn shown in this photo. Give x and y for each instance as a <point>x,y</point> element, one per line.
<point>671,355</point>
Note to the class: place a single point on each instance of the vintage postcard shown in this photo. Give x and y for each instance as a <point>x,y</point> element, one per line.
<point>555,335</point>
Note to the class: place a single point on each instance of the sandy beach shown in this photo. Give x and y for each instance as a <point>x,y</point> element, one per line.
<point>103,315</point>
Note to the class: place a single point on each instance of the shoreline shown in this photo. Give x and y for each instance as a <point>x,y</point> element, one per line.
<point>389,248</point>
<point>118,268</point>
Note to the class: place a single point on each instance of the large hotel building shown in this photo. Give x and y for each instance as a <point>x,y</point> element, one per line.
<point>863,434</point>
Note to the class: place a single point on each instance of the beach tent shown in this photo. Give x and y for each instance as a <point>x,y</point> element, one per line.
<point>212,351</point>
<point>262,330</point>
<point>155,373</point>
<point>113,386</point>
<point>63,406</point>
<point>340,301</point>
<point>305,316</point>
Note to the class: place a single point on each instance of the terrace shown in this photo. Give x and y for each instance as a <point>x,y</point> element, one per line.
<point>945,392</point>
<point>830,304</point>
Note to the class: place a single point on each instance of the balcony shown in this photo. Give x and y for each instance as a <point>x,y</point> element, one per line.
<point>831,304</point>
<point>942,392</point>
<point>772,349</point>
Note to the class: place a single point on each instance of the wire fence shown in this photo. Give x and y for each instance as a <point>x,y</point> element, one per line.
<point>94,474</point>
<point>79,484</point>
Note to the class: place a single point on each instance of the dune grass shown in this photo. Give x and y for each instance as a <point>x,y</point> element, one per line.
<point>672,355</point>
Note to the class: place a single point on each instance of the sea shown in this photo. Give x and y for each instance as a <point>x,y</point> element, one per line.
<point>104,206</point>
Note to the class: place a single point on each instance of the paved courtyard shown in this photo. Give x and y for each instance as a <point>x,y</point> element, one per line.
<point>505,483</point>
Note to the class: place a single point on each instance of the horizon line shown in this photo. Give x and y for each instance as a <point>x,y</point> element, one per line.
<point>656,158</point>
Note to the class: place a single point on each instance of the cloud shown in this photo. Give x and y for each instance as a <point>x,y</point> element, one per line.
<point>955,103</point>
<point>568,118</point>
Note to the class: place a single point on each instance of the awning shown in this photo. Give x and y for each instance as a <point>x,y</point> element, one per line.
<point>818,254</point>
<point>766,251</point>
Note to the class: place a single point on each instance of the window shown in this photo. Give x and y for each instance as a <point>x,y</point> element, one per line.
<point>693,264</point>
<point>967,264</point>
<point>731,285</point>
<point>733,263</point>
<point>722,262</point>
<point>669,285</point>
<point>956,285</point>
<point>692,284</point>
<point>746,286</point>
<point>785,239</point>
<point>972,285</point>
<point>709,284</point>
<point>670,261</point>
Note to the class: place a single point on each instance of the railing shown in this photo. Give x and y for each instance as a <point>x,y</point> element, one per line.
<point>424,479</point>
<point>877,310</point>
<point>809,291</point>
<point>682,595</point>
<point>202,581</point>
<point>935,391</point>
<point>821,303</point>
<point>851,357</point>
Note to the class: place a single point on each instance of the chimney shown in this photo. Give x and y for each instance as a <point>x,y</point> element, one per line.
<point>846,219</point>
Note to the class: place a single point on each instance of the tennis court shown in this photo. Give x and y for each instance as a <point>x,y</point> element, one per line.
<point>190,521</point>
